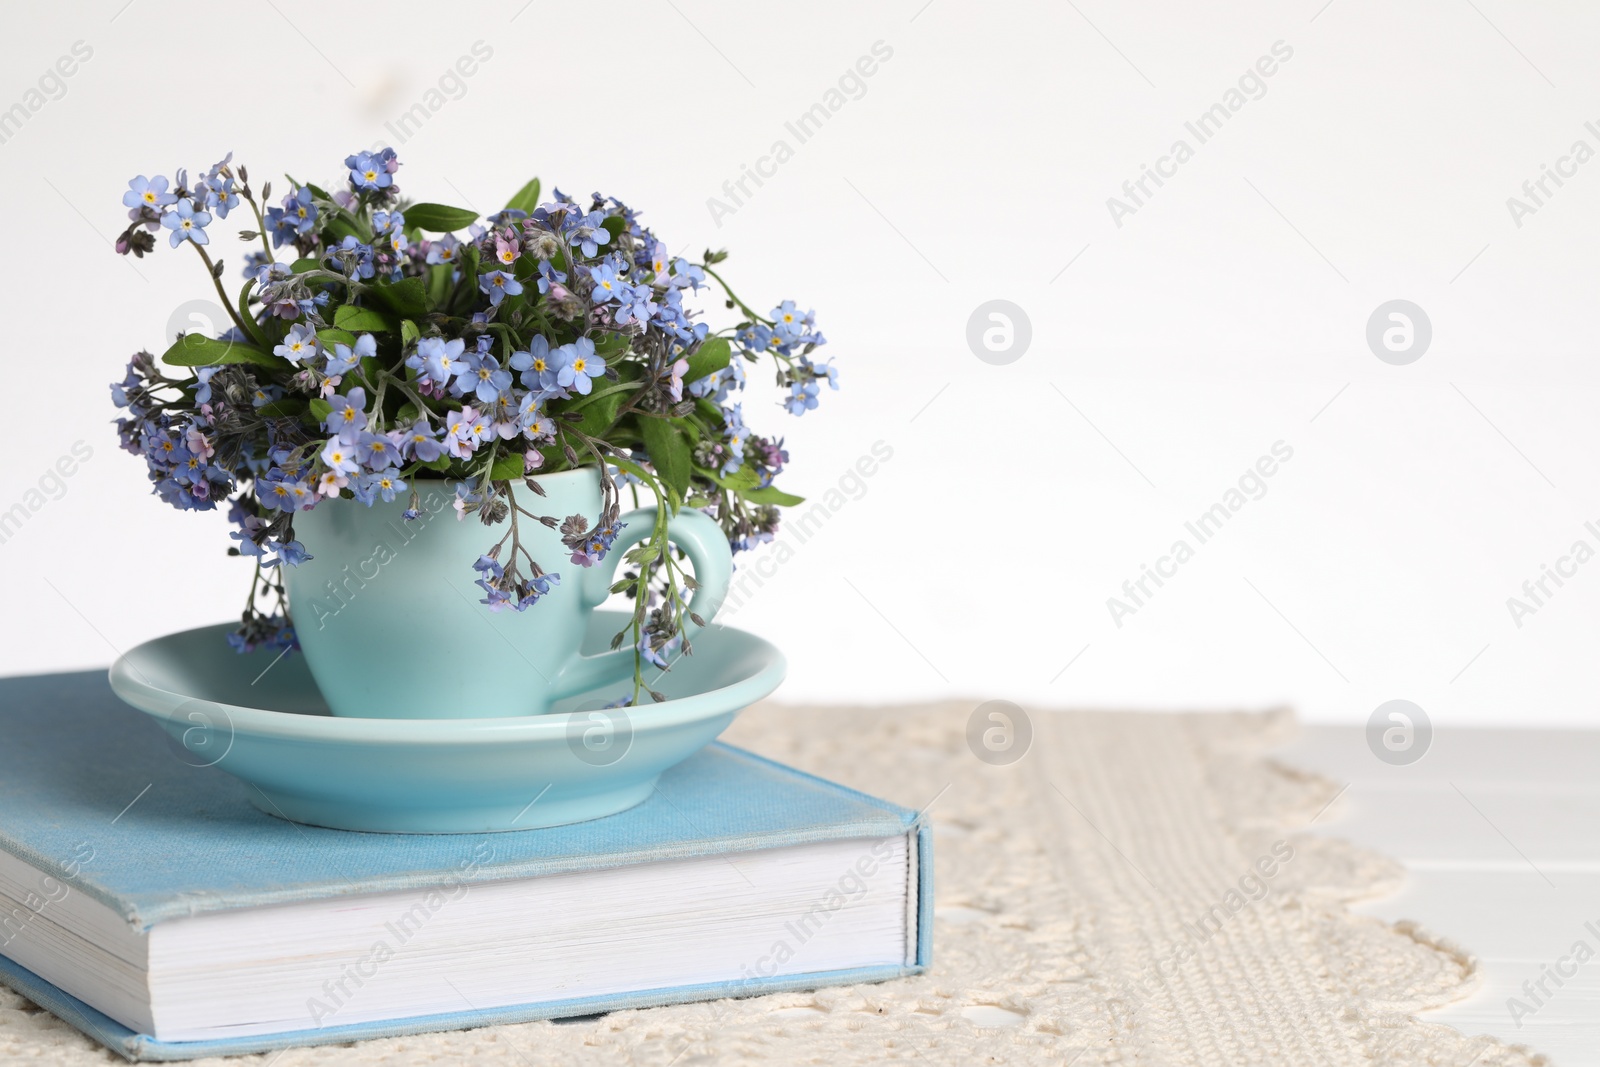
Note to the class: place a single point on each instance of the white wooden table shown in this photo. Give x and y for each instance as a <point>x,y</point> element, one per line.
<point>1499,831</point>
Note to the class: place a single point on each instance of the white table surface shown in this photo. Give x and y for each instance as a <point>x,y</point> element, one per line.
<point>1499,831</point>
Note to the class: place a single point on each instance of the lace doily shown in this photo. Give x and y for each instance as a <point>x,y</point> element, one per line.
<point>1135,890</point>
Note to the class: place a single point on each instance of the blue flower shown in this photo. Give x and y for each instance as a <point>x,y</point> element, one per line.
<point>348,416</point>
<point>465,430</point>
<point>148,192</point>
<point>687,275</point>
<point>369,170</point>
<point>607,286</point>
<point>755,337</point>
<point>299,210</point>
<point>444,249</point>
<point>219,194</point>
<point>539,366</point>
<point>419,442</point>
<point>437,360</point>
<point>283,493</point>
<point>802,397</point>
<point>499,285</point>
<point>266,394</point>
<point>531,417</point>
<point>590,233</point>
<point>827,370</point>
<point>187,224</point>
<point>534,588</point>
<point>787,322</point>
<point>482,376</point>
<point>376,452</point>
<point>549,275</point>
<point>579,366</point>
<point>299,344</point>
<point>350,256</point>
<point>383,483</point>
<point>203,376</point>
<point>340,456</point>
<point>345,358</point>
<point>293,553</point>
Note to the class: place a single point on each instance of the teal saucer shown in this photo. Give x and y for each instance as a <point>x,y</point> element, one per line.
<point>265,723</point>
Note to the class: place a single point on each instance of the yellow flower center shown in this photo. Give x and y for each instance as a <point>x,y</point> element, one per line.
<point>580,364</point>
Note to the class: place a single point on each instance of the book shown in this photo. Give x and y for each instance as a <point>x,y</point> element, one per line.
<point>149,904</point>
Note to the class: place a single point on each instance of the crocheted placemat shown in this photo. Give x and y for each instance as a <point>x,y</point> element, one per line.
<point>1135,889</point>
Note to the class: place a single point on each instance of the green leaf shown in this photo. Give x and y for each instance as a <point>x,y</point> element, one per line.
<point>360,320</point>
<point>598,413</point>
<point>611,344</point>
<point>282,409</point>
<point>771,495</point>
<point>442,463</point>
<point>407,413</point>
<point>623,463</point>
<point>739,481</point>
<point>469,274</point>
<point>302,265</point>
<point>251,326</point>
<point>527,198</point>
<point>507,468</point>
<point>669,453</point>
<point>708,410</point>
<point>439,283</point>
<point>339,227</point>
<point>407,298</point>
<point>439,218</point>
<point>713,354</point>
<point>198,350</point>
<point>320,409</point>
<point>330,337</point>
<point>408,333</point>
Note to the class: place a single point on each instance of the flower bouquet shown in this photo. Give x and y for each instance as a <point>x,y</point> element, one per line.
<point>378,344</point>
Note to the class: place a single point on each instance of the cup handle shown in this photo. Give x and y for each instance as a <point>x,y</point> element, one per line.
<point>707,548</point>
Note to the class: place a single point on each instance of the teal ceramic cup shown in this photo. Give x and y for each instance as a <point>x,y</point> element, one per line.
<point>388,615</point>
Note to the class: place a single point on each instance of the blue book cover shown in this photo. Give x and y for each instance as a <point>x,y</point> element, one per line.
<point>91,797</point>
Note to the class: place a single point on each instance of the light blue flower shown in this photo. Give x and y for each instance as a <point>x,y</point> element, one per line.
<point>348,417</point>
<point>298,345</point>
<point>383,483</point>
<point>187,224</point>
<point>345,357</point>
<point>499,285</point>
<point>443,250</point>
<point>607,286</point>
<point>148,192</point>
<point>419,442</point>
<point>440,361</point>
<point>579,366</point>
<point>787,322</point>
<point>376,451</point>
<point>340,456</point>
<point>369,170</point>
<point>802,397</point>
<point>482,376</point>
<point>590,233</point>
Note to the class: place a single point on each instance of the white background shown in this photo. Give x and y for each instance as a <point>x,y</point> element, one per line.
<point>1227,314</point>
